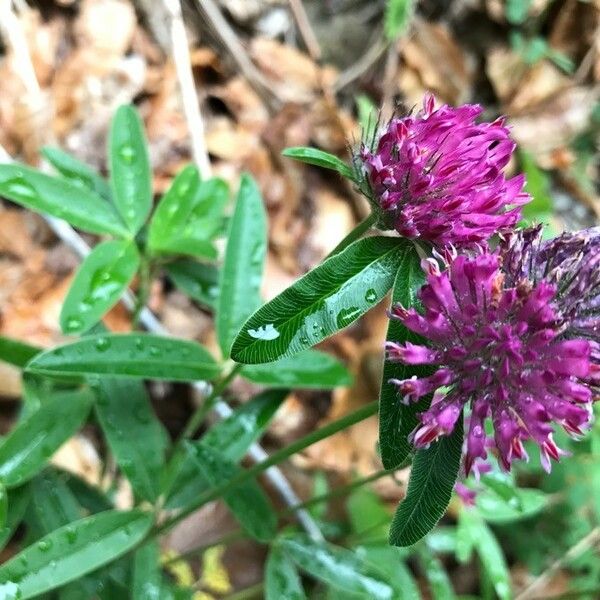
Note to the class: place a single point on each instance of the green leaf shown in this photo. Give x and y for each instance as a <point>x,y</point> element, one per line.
<point>99,284</point>
<point>72,551</point>
<point>15,352</point>
<point>309,369</point>
<point>189,215</point>
<point>397,17</point>
<point>247,501</point>
<point>241,275</point>
<point>439,582</point>
<point>390,562</point>
<point>281,578</point>
<point>325,300</point>
<point>134,434</point>
<point>516,11</point>
<point>338,567</point>
<point>77,172</point>
<point>88,496</point>
<point>59,198</point>
<point>130,174</point>
<point>3,506</point>
<point>432,478</point>
<point>396,420</point>
<point>369,518</point>
<point>199,281</point>
<point>489,551</point>
<point>495,509</point>
<point>537,184</point>
<point>18,500</point>
<point>312,156</point>
<point>128,355</point>
<point>229,438</point>
<point>28,447</point>
<point>147,578</point>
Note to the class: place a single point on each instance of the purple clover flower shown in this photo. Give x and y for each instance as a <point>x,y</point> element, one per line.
<point>514,335</point>
<point>437,175</point>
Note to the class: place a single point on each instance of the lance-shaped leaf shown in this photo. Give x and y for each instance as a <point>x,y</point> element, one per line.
<point>77,172</point>
<point>325,300</point>
<point>135,436</point>
<point>72,551</point>
<point>309,369</point>
<point>339,567</point>
<point>18,500</point>
<point>312,156</point>
<point>432,478</point>
<point>189,216</point>
<point>281,578</point>
<point>397,420</point>
<point>99,283</point>
<point>128,355</point>
<point>130,174</point>
<point>247,501</point>
<point>241,275</point>
<point>199,281</point>
<point>60,198</point>
<point>28,447</point>
<point>15,352</point>
<point>147,577</point>
<point>229,438</point>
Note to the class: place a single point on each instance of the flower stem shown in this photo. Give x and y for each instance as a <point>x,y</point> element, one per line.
<point>316,436</point>
<point>196,419</point>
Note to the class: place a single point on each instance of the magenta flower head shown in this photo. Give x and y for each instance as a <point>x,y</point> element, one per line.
<point>509,343</point>
<point>438,176</point>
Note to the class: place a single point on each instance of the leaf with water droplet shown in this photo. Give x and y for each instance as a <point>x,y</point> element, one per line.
<point>134,434</point>
<point>326,299</point>
<point>239,286</point>
<point>229,438</point>
<point>147,578</point>
<point>18,501</point>
<point>189,216</point>
<point>199,281</point>
<point>60,198</point>
<point>336,566</point>
<point>131,355</point>
<point>99,283</point>
<point>98,540</point>
<point>26,449</point>
<point>131,177</point>
<point>281,578</point>
<point>77,172</point>
<point>309,369</point>
<point>247,501</point>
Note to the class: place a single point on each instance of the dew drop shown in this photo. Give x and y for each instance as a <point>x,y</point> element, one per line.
<point>44,545</point>
<point>127,153</point>
<point>371,295</point>
<point>264,332</point>
<point>346,316</point>
<point>73,324</point>
<point>21,188</point>
<point>154,351</point>
<point>71,534</point>
<point>102,344</point>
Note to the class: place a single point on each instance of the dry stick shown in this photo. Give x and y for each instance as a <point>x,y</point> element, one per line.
<point>238,53</point>
<point>183,66</point>
<point>306,30</point>
<point>589,541</point>
<point>358,69</point>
